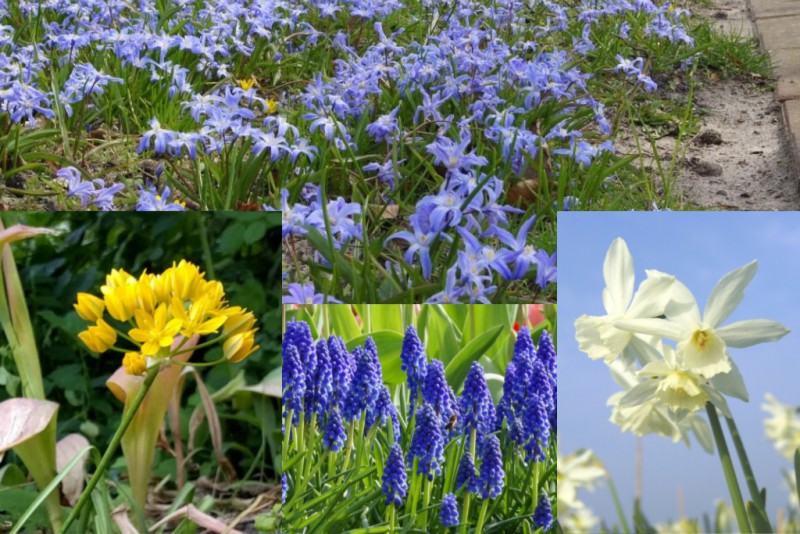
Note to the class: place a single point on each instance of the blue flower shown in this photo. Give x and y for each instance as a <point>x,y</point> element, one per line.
<point>284,488</point>
<point>151,200</point>
<point>394,477</point>
<point>384,126</point>
<point>414,363</point>
<point>298,335</point>
<point>160,136</point>
<point>334,437</point>
<point>342,368</point>
<point>436,391</point>
<point>543,516</point>
<point>321,389</point>
<point>364,387</point>
<point>466,473</point>
<point>449,511</point>
<point>536,428</point>
<point>491,480</point>
<point>294,380</point>
<point>427,444</point>
<point>306,294</point>
<point>476,408</point>
<point>546,353</point>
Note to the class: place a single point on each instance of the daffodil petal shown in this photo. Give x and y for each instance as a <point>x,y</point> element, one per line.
<point>655,327</point>
<point>587,332</point>
<point>639,394</point>
<point>682,306</point>
<point>652,296</point>
<point>731,383</point>
<point>751,332</point>
<point>619,276</point>
<point>728,294</point>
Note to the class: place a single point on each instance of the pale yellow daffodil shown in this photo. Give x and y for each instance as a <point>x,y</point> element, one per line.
<point>598,336</point>
<point>702,343</point>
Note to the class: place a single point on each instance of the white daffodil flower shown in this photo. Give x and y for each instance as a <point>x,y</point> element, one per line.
<point>578,520</point>
<point>702,343</point>
<point>581,469</point>
<point>653,417</point>
<point>672,385</point>
<point>598,336</point>
<point>783,428</point>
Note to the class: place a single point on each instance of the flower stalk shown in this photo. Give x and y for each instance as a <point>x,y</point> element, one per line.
<point>727,468</point>
<point>112,447</point>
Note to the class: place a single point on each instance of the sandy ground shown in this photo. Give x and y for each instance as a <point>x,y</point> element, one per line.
<point>740,159</point>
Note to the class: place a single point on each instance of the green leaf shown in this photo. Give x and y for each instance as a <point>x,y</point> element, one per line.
<point>389,344</point>
<point>255,232</point>
<point>441,336</point>
<point>15,501</point>
<point>757,518</point>
<point>456,371</point>
<point>482,318</point>
<point>11,475</point>
<point>341,321</point>
<point>797,471</point>
<point>46,491</point>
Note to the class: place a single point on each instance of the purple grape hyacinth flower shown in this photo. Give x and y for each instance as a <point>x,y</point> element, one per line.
<point>414,363</point>
<point>394,477</point>
<point>427,444</point>
<point>491,480</point>
<point>449,512</point>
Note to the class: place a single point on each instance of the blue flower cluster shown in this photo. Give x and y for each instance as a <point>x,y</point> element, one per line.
<point>529,401</point>
<point>331,386</point>
<point>486,91</point>
<point>326,385</point>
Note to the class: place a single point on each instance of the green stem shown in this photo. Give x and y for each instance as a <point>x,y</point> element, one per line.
<point>112,448</point>
<point>727,468</point>
<point>465,518</point>
<point>749,476</point>
<point>482,517</point>
<point>617,505</point>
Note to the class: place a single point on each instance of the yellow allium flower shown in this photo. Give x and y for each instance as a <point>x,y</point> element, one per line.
<point>89,307</point>
<point>187,282</point>
<point>155,331</point>
<point>116,278</point>
<point>163,305</point>
<point>135,363</point>
<point>272,106</point>
<point>100,337</point>
<point>196,319</point>
<point>239,346</point>
<point>121,301</point>
<point>238,321</point>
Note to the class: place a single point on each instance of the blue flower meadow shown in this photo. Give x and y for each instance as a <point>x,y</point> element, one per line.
<point>424,444</point>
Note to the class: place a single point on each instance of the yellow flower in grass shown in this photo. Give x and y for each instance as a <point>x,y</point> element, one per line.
<point>89,307</point>
<point>155,331</point>
<point>135,363</point>
<point>100,337</point>
<point>247,83</point>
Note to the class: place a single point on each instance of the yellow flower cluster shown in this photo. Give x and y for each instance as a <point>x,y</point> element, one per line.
<point>157,308</point>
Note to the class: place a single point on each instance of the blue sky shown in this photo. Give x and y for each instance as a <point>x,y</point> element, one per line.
<point>698,248</point>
